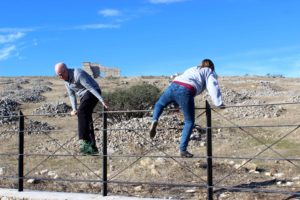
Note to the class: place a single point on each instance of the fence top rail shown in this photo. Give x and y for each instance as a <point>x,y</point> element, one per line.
<point>256,105</point>
<point>254,126</point>
<point>68,114</point>
<point>15,113</point>
<point>12,114</point>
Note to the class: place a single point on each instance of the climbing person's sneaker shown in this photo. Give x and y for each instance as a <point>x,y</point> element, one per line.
<point>153,129</point>
<point>186,154</point>
<point>86,148</point>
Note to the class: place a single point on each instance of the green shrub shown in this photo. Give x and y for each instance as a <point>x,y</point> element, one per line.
<point>138,97</point>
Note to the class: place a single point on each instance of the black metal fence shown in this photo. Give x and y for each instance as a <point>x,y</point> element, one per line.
<point>212,184</point>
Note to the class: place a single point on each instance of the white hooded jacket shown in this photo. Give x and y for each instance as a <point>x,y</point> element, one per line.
<point>201,79</point>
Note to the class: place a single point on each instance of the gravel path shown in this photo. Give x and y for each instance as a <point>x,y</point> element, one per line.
<point>13,194</point>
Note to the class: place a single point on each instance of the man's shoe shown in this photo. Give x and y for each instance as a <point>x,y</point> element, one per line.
<point>86,148</point>
<point>153,129</point>
<point>186,154</point>
<point>95,150</point>
<point>83,145</point>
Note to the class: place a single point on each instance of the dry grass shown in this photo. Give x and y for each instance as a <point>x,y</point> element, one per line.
<point>226,142</point>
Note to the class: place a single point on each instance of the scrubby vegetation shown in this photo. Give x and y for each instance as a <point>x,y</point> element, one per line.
<point>138,97</point>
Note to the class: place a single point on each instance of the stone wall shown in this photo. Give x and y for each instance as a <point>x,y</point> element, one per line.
<point>97,70</point>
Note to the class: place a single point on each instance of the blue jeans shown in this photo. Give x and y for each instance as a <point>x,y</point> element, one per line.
<point>185,99</point>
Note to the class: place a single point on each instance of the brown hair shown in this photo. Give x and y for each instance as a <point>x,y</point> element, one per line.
<point>207,63</point>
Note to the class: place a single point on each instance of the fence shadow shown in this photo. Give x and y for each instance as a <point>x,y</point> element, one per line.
<point>252,185</point>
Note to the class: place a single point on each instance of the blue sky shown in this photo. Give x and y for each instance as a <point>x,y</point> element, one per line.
<point>150,37</point>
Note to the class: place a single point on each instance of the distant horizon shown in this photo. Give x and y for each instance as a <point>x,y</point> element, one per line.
<point>132,76</point>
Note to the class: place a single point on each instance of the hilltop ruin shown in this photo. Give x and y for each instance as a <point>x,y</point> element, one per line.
<point>97,70</point>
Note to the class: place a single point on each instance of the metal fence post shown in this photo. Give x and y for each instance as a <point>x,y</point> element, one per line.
<point>104,161</point>
<point>21,152</point>
<point>209,152</point>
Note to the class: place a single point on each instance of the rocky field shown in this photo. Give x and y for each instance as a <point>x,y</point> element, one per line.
<point>255,142</point>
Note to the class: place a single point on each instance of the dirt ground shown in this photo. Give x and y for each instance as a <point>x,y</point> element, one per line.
<point>256,156</point>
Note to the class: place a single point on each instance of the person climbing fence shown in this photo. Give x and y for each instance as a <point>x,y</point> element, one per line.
<point>182,91</point>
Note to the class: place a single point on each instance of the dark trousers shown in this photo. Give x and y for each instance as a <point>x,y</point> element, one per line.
<point>85,120</point>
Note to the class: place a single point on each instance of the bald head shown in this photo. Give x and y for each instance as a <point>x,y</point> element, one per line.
<point>60,67</point>
<point>61,70</point>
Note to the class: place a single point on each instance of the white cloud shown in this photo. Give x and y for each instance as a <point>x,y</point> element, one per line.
<point>109,12</point>
<point>6,52</point>
<point>10,37</point>
<point>14,30</point>
<point>97,26</point>
<point>165,1</point>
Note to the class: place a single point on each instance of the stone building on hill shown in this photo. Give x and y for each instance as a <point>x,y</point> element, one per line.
<point>97,70</point>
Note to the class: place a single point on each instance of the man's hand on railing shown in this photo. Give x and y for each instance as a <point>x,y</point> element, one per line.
<point>104,104</point>
<point>73,112</point>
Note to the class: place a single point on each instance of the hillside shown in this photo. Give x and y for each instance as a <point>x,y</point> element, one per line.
<point>51,131</point>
